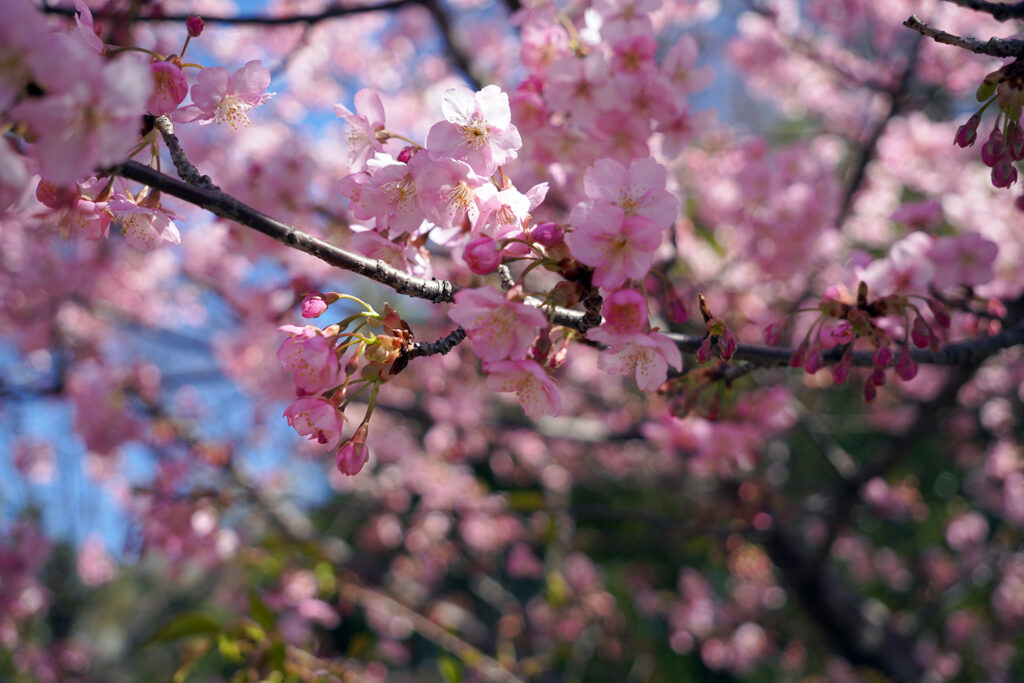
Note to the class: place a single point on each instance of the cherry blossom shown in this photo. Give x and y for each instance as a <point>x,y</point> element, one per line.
<point>477,129</point>
<point>365,126</point>
<point>498,327</point>
<point>169,89</point>
<point>90,124</point>
<point>220,98</point>
<point>535,390</point>
<point>310,355</point>
<point>145,223</point>
<point>316,419</point>
<point>617,246</point>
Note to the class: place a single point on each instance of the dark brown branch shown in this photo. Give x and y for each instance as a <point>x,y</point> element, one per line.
<point>998,11</point>
<point>186,170</point>
<point>958,353</point>
<point>846,493</point>
<point>452,48</point>
<point>870,148</point>
<point>995,47</point>
<point>860,636</point>
<point>442,346</point>
<point>226,206</point>
<point>332,12</point>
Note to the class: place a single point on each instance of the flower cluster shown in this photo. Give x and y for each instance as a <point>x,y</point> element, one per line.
<point>332,366</point>
<point>80,105</point>
<point>503,329</point>
<point>841,323</point>
<point>1005,144</point>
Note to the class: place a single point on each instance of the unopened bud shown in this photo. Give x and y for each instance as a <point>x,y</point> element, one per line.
<point>547,234</point>
<point>195,26</point>
<point>906,368</point>
<point>968,132</point>
<point>482,255</point>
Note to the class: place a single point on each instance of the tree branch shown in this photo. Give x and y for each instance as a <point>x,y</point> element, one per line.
<point>999,11</point>
<point>332,12</point>
<point>861,635</point>
<point>995,47</point>
<point>200,191</point>
<point>226,206</point>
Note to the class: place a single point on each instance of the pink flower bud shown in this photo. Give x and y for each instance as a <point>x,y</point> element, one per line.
<point>940,312</point>
<point>906,368</point>
<point>877,377</point>
<point>1004,174</point>
<point>1015,141</point>
<point>869,391</point>
<point>727,344</point>
<point>406,154</point>
<point>773,333</point>
<point>313,305</point>
<point>841,370</point>
<point>704,352</point>
<point>800,355</point>
<point>843,334</point>
<point>677,312</point>
<point>547,234</point>
<point>353,454</point>
<point>968,132</point>
<point>882,358</point>
<point>813,363</point>
<point>482,255</point>
<point>195,26</point>
<point>919,333</point>
<point>993,150</point>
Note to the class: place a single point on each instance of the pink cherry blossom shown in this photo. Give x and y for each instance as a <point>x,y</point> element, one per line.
<point>535,390</point>
<point>316,419</point>
<point>446,194</point>
<point>618,247</point>
<point>638,190</point>
<point>625,314</point>
<point>501,212</point>
<point>967,259</point>
<point>499,328</point>
<point>364,125</point>
<point>647,356</point>
<point>169,88</point>
<point>92,123</point>
<point>219,98</point>
<point>94,564</point>
<point>85,29</point>
<point>311,357</point>
<point>477,129</point>
<point>574,87</point>
<point>145,227</point>
<point>387,193</point>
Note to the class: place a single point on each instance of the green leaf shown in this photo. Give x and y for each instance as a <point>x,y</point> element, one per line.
<point>276,656</point>
<point>186,624</point>
<point>260,612</point>
<point>450,668</point>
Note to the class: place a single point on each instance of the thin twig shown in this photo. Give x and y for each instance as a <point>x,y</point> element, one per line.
<point>996,47</point>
